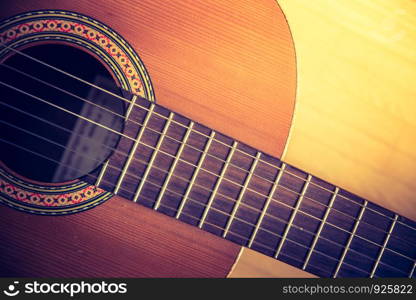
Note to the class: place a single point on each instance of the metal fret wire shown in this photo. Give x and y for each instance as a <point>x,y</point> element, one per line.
<point>226,162</point>
<point>344,253</point>
<point>233,200</point>
<point>224,213</point>
<point>321,226</point>
<point>255,242</point>
<point>217,184</point>
<point>231,232</point>
<point>133,149</point>
<point>104,168</point>
<point>320,187</point>
<point>132,103</point>
<point>128,101</point>
<point>195,174</point>
<point>266,205</point>
<point>173,166</point>
<point>384,246</point>
<point>161,205</point>
<point>154,154</point>
<point>241,236</point>
<point>293,215</point>
<point>241,194</point>
<point>102,171</point>
<point>272,233</point>
<point>413,270</point>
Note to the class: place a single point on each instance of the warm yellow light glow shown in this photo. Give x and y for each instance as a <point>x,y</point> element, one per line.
<point>355,117</point>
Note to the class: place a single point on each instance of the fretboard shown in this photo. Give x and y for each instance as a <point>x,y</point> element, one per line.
<point>199,176</point>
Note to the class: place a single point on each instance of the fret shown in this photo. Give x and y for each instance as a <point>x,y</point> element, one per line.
<point>413,270</point>
<point>295,217</point>
<point>217,184</point>
<point>133,149</point>
<point>240,196</point>
<point>331,202</point>
<point>195,174</point>
<point>153,157</point>
<point>292,217</point>
<point>384,245</point>
<point>392,262</point>
<point>131,105</point>
<point>105,165</point>
<point>266,205</point>
<point>357,222</point>
<point>172,168</point>
<point>101,174</point>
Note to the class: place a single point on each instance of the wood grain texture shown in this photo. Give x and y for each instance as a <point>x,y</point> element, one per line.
<point>198,52</point>
<point>354,122</point>
<point>116,239</point>
<point>256,201</point>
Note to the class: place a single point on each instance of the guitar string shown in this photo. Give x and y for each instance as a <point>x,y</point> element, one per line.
<point>66,110</point>
<point>235,217</point>
<point>285,254</point>
<point>243,237</point>
<point>45,101</point>
<point>128,101</point>
<point>134,122</point>
<point>64,91</point>
<point>205,188</point>
<point>267,247</point>
<point>286,172</point>
<point>172,156</point>
<point>227,197</point>
<point>258,192</point>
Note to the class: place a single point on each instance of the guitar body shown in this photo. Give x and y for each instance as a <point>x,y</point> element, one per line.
<point>324,87</point>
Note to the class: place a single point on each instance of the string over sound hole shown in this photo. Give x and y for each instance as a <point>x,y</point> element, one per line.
<point>55,127</point>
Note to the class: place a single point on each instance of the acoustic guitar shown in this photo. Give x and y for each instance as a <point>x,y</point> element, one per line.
<point>208,138</point>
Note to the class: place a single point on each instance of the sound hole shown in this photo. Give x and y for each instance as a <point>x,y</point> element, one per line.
<point>49,132</point>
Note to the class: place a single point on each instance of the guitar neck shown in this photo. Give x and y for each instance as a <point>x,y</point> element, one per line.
<point>185,170</point>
